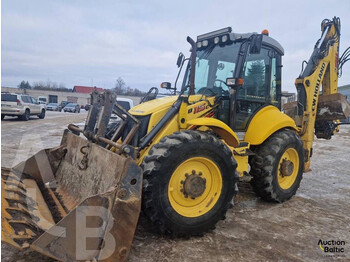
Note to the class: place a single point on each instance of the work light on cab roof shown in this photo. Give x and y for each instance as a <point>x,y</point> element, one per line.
<point>214,36</point>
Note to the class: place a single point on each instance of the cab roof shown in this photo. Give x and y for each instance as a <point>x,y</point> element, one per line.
<point>267,40</point>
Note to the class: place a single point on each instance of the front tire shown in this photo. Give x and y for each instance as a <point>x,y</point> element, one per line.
<point>189,183</point>
<point>277,166</point>
<point>42,114</point>
<point>2,117</point>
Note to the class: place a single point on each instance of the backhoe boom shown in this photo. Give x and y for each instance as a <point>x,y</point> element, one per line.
<point>321,71</point>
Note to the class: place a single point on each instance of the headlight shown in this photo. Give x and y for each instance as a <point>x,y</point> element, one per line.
<point>199,44</point>
<point>205,43</point>
<point>216,40</point>
<point>224,38</point>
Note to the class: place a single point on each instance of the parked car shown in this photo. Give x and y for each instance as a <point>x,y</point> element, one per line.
<point>42,100</point>
<point>52,107</point>
<point>62,105</point>
<point>21,105</point>
<point>72,107</point>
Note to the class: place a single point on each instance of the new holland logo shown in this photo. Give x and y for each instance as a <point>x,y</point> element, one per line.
<point>317,87</point>
<point>332,246</point>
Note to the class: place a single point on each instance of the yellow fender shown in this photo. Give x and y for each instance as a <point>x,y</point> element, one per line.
<point>218,127</point>
<point>266,122</point>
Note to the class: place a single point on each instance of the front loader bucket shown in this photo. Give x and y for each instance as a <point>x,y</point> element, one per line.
<point>75,202</point>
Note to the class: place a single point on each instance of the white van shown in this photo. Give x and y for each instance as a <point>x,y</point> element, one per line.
<point>126,103</point>
<point>42,100</point>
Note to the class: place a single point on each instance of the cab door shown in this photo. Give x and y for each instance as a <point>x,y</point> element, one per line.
<point>34,105</point>
<point>261,86</point>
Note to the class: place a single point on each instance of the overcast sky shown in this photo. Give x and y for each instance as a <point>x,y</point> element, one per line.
<point>84,42</point>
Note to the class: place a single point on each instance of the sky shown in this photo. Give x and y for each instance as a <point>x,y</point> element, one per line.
<point>86,42</point>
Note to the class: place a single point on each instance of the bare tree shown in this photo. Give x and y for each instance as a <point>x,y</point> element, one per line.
<point>119,86</point>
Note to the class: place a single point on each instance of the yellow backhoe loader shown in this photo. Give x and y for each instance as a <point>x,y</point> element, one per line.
<point>183,153</point>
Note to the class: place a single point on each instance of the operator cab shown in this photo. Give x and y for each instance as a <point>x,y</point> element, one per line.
<point>223,54</point>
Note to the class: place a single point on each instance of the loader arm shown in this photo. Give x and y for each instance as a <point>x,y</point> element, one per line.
<point>79,201</point>
<point>321,71</point>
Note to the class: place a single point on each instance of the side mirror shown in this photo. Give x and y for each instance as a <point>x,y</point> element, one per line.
<point>180,59</point>
<point>255,44</point>
<point>234,82</point>
<point>166,85</point>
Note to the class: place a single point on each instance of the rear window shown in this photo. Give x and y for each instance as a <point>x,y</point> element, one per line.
<point>124,104</point>
<point>8,97</point>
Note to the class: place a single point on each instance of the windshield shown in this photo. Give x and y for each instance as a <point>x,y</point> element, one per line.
<point>52,104</point>
<point>214,64</point>
<point>71,105</point>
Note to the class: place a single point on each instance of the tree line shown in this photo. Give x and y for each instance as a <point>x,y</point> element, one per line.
<point>120,87</point>
<point>47,85</point>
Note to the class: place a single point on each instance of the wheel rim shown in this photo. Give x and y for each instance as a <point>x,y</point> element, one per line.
<point>195,187</point>
<point>288,168</point>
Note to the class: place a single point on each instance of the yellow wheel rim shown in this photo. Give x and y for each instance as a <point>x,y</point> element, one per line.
<point>207,172</point>
<point>291,158</point>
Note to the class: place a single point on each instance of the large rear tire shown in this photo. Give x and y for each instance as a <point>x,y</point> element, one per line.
<point>277,166</point>
<point>189,183</point>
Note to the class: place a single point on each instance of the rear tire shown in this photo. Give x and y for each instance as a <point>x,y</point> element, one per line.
<point>2,117</point>
<point>269,181</point>
<point>208,163</point>
<point>42,114</point>
<point>26,115</point>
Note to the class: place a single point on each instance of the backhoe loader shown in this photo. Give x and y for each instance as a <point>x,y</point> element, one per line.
<point>184,153</point>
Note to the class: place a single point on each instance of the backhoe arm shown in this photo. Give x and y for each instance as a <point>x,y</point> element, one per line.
<point>321,70</point>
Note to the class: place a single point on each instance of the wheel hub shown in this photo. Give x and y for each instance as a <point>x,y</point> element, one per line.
<point>287,168</point>
<point>194,185</point>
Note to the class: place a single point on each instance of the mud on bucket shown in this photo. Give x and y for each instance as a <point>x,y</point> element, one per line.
<point>77,201</point>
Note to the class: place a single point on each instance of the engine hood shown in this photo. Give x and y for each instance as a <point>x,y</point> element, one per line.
<point>152,106</point>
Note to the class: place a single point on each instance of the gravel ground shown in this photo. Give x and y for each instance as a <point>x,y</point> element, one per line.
<point>253,230</point>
